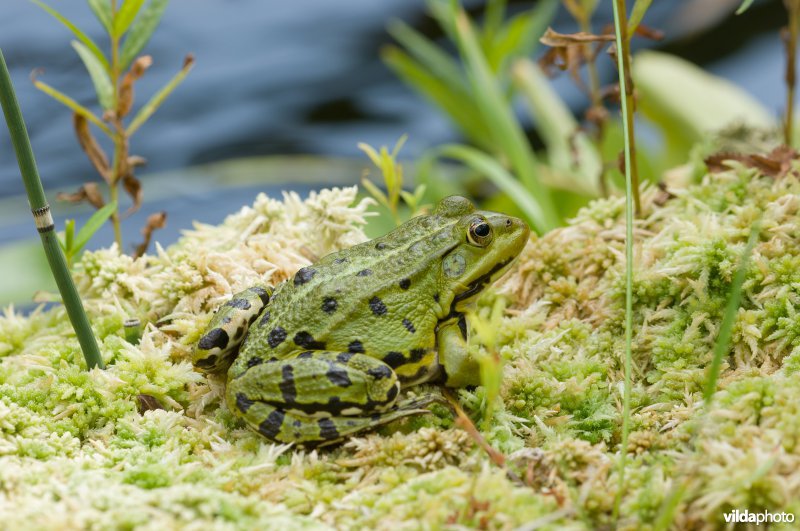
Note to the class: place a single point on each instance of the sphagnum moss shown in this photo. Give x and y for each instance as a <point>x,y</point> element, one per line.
<point>65,433</point>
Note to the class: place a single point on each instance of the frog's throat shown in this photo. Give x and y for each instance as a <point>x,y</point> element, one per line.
<point>476,286</point>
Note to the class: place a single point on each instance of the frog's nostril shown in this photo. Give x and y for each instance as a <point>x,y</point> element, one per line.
<point>508,223</point>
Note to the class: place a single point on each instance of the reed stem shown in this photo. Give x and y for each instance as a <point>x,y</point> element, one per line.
<point>44,220</point>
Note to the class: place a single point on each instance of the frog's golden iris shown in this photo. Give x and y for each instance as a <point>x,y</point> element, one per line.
<point>325,355</point>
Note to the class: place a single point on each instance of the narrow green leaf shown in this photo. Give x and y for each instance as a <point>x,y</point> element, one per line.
<point>141,31</point>
<point>99,75</point>
<point>376,192</point>
<point>87,42</point>
<point>92,225</point>
<point>520,35</point>
<point>102,10</point>
<point>72,104</point>
<point>744,7</point>
<point>506,132</point>
<point>640,7</point>
<point>494,171</point>
<point>620,24</point>
<point>454,101</point>
<point>428,54</point>
<point>69,237</point>
<point>493,18</point>
<point>125,16</point>
<point>723,343</point>
<point>155,102</point>
<point>569,150</point>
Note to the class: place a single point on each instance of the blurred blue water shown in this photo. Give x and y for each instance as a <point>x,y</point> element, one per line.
<point>273,77</point>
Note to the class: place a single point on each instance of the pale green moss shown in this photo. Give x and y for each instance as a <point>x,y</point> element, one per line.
<point>78,449</point>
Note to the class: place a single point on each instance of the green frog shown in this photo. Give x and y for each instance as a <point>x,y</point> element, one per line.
<point>324,355</point>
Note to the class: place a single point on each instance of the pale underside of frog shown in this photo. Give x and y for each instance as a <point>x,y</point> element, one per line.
<point>325,355</point>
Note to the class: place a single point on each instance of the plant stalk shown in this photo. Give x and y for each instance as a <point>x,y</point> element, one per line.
<point>793,8</point>
<point>44,220</point>
<point>119,140</point>
<point>631,196</point>
<point>626,96</point>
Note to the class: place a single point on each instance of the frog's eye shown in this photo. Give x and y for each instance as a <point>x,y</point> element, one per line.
<point>480,233</point>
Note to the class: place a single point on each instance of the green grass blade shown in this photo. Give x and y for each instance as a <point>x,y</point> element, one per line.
<point>619,20</point>
<point>125,16</point>
<point>498,114</point>
<point>92,225</point>
<point>72,104</point>
<point>80,35</point>
<point>102,10</point>
<point>456,103</point>
<point>99,75</point>
<point>141,31</point>
<point>428,54</point>
<point>155,102</point>
<point>723,343</point>
<point>744,7</point>
<point>569,150</point>
<point>494,171</point>
<point>640,7</point>
<point>520,35</point>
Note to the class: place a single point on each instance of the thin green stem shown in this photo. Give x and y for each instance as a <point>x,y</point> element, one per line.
<point>120,140</point>
<point>626,96</point>
<point>620,25</point>
<point>44,220</point>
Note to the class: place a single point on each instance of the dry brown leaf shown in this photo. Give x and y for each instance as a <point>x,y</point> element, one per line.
<point>134,189</point>
<point>777,163</point>
<point>570,52</point>
<point>154,222</point>
<point>88,192</point>
<point>148,403</point>
<point>90,146</point>
<point>137,70</point>
<point>555,39</point>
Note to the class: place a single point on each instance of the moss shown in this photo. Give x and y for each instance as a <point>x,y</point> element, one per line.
<point>77,452</point>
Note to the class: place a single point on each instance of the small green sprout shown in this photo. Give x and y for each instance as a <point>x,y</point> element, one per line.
<point>72,244</point>
<point>392,172</point>
<point>486,323</point>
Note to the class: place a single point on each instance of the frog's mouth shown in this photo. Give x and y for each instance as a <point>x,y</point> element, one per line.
<point>477,285</point>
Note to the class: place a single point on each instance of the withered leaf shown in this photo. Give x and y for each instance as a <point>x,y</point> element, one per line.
<point>148,403</point>
<point>136,71</point>
<point>570,52</point>
<point>777,163</point>
<point>647,32</point>
<point>154,222</point>
<point>88,192</point>
<point>134,189</point>
<point>90,146</point>
<point>555,39</point>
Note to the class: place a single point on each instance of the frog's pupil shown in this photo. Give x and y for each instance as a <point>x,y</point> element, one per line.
<point>482,230</point>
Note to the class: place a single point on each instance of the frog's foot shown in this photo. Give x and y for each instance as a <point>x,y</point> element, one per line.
<point>219,344</point>
<point>319,396</point>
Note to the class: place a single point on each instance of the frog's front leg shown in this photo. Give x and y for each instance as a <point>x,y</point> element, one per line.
<point>220,341</point>
<point>452,339</point>
<point>317,396</point>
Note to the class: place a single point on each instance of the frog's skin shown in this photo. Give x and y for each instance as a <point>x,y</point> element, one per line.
<point>326,353</point>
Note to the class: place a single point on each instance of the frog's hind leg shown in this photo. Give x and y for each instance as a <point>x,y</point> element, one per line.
<point>281,426</point>
<point>318,396</point>
<point>219,344</point>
